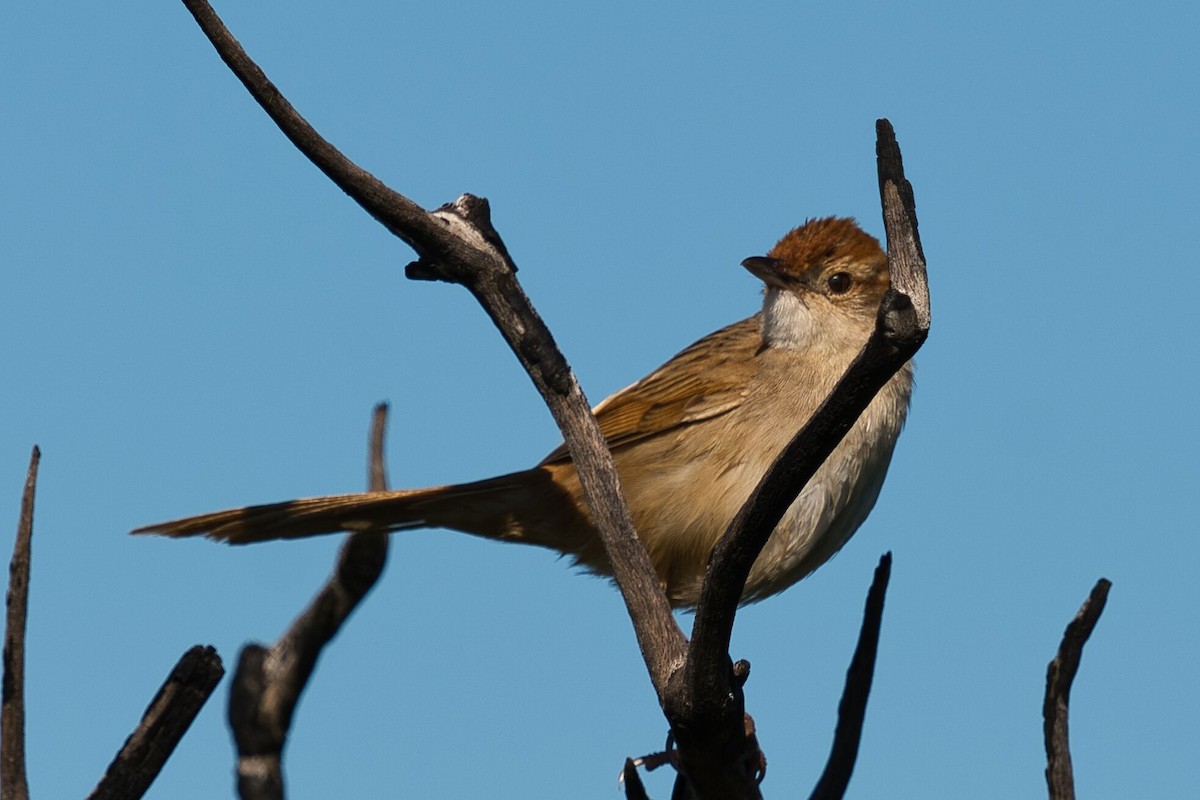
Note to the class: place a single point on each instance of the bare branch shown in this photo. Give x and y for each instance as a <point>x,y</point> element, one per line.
<point>399,214</point>
<point>901,327</point>
<point>14,783</point>
<point>906,258</point>
<point>1060,674</point>
<point>166,720</point>
<point>376,468</point>
<point>852,709</point>
<point>269,681</point>
<point>458,244</point>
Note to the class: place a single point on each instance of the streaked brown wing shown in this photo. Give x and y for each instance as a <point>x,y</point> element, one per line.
<point>703,381</point>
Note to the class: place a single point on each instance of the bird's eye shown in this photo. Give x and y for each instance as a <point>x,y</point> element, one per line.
<point>840,282</point>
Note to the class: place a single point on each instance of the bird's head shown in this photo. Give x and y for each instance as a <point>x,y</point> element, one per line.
<point>824,283</point>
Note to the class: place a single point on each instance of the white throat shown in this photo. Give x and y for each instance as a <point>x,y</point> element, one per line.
<point>787,322</point>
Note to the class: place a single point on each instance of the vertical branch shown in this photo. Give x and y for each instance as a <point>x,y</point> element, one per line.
<point>269,681</point>
<point>906,257</point>
<point>376,468</point>
<point>852,709</point>
<point>1060,674</point>
<point>14,783</point>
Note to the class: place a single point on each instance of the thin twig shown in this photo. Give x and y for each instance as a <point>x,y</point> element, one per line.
<point>269,681</point>
<point>14,783</point>
<point>1060,674</point>
<point>852,709</point>
<point>399,214</point>
<point>166,720</point>
<point>377,479</point>
<point>458,244</point>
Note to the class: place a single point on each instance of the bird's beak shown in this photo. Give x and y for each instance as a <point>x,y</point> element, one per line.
<point>770,271</point>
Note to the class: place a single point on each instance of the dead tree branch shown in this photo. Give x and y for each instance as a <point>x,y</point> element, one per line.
<point>166,720</point>
<point>14,782</point>
<point>458,244</point>
<point>164,723</point>
<point>707,692</point>
<point>852,709</point>
<point>269,681</point>
<point>1060,674</point>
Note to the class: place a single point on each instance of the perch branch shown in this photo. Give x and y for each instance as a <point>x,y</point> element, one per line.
<point>13,781</point>
<point>708,691</point>
<point>1060,674</point>
<point>458,244</point>
<point>269,681</point>
<point>166,720</point>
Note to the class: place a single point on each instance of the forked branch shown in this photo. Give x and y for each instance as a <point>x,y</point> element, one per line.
<point>457,243</point>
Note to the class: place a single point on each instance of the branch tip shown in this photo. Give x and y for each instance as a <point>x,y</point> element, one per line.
<point>1060,675</point>
<point>14,782</point>
<point>852,708</point>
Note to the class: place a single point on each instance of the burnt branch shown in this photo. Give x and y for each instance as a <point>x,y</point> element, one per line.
<point>708,691</point>
<point>852,709</point>
<point>1060,674</point>
<point>166,720</point>
<point>458,244</point>
<point>269,681</point>
<point>13,780</point>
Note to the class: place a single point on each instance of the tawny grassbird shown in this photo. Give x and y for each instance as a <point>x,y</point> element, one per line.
<point>690,440</point>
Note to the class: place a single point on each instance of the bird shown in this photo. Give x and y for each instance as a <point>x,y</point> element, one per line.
<point>690,441</point>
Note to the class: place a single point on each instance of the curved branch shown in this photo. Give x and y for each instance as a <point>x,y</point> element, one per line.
<point>269,681</point>
<point>458,244</point>
<point>400,215</point>
<point>1060,674</point>
<point>900,329</point>
<point>902,324</point>
<point>852,709</point>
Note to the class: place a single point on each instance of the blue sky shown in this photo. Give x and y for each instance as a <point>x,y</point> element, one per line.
<point>194,317</point>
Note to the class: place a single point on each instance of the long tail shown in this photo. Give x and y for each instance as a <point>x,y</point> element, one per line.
<point>521,506</point>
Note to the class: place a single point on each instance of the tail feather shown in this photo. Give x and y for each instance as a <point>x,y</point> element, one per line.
<point>524,506</point>
<point>294,519</point>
